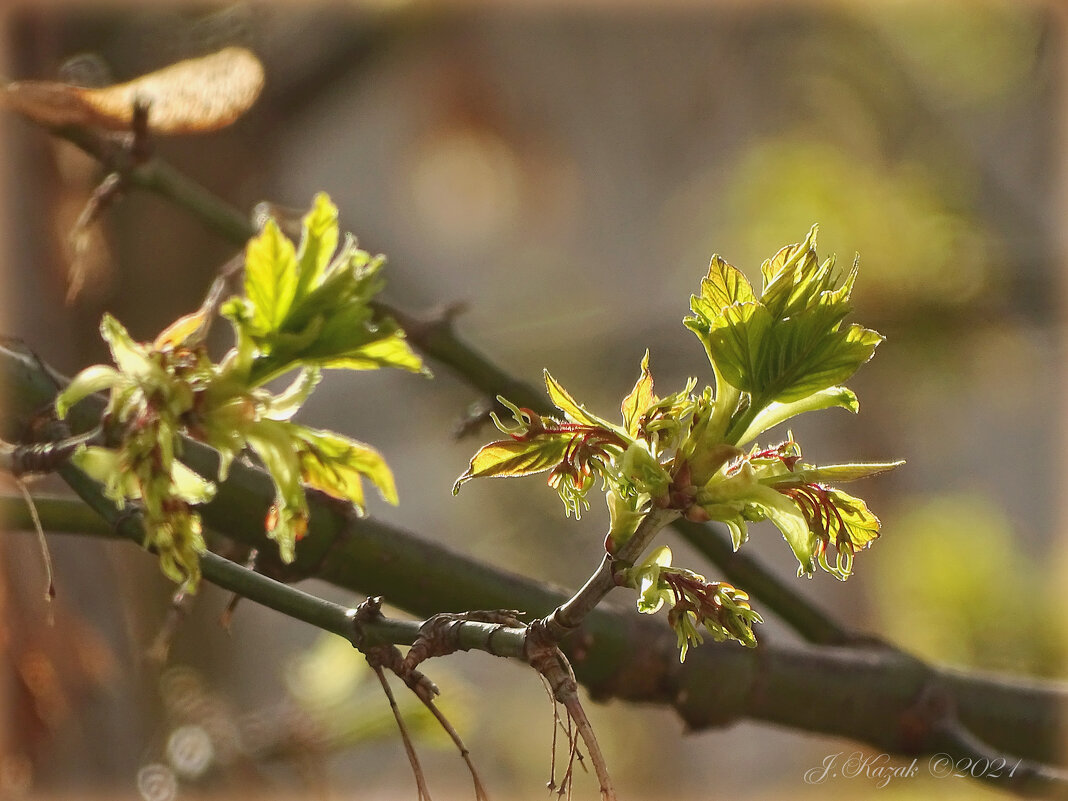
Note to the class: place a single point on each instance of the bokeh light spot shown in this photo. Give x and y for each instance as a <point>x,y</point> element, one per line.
<point>465,184</point>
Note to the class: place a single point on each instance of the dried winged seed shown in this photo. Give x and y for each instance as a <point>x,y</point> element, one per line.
<point>191,96</point>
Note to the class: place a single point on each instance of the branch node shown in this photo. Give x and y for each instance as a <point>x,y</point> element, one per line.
<point>440,634</point>
<point>387,655</point>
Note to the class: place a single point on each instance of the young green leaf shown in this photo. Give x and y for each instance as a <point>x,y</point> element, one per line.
<point>335,465</point>
<point>625,513</point>
<point>190,486</point>
<point>270,278</point>
<point>849,527</point>
<point>646,576</point>
<point>92,379</point>
<point>105,466</point>
<point>516,458</point>
<point>361,347</point>
<point>775,413</point>
<point>838,473</point>
<point>784,265</point>
<point>131,358</point>
<point>766,503</point>
<point>318,241</point>
<point>800,283</point>
<point>724,286</point>
<point>836,520</point>
<point>565,403</point>
<point>288,402</point>
<point>735,343</point>
<point>801,357</point>
<point>638,400</point>
<point>852,529</point>
<point>273,442</point>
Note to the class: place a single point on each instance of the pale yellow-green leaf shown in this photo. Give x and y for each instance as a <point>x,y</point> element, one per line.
<point>565,403</point>
<point>511,457</point>
<point>319,238</point>
<point>270,277</point>
<point>189,485</point>
<point>335,465</point>
<point>639,399</point>
<point>775,413</point>
<point>92,379</point>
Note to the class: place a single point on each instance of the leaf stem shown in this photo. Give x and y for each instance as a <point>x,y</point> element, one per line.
<point>570,614</point>
<point>740,424</point>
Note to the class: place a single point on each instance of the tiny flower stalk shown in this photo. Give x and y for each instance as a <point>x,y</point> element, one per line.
<point>303,309</point>
<point>693,601</point>
<point>774,354</point>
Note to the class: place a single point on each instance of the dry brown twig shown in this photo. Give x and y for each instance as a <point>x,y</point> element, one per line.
<point>389,656</point>
<point>440,635</point>
<point>545,656</point>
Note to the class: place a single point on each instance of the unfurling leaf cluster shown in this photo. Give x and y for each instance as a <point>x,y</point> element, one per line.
<point>304,308</point>
<point>776,353</point>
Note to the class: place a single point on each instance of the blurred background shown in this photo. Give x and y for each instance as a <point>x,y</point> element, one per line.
<point>565,171</point>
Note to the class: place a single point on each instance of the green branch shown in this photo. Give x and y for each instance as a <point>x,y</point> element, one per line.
<point>570,614</point>
<point>866,694</point>
<point>862,693</point>
<point>438,340</point>
<point>95,515</point>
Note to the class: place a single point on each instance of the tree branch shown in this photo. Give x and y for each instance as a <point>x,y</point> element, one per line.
<point>569,615</point>
<point>873,695</point>
<point>96,515</point>
<point>438,340</point>
<point>857,692</point>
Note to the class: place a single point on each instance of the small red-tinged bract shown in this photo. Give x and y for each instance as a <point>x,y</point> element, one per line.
<point>197,95</point>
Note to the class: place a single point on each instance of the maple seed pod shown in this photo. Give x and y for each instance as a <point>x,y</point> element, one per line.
<point>192,96</point>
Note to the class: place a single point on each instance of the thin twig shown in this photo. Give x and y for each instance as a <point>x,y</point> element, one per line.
<point>569,615</point>
<point>46,555</point>
<point>160,649</point>
<point>465,753</point>
<point>568,782</point>
<point>545,656</point>
<point>413,758</point>
<point>551,784</point>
